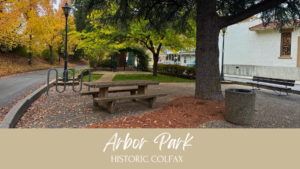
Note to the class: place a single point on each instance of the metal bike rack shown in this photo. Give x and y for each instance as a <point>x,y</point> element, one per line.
<point>65,82</point>
<point>81,80</point>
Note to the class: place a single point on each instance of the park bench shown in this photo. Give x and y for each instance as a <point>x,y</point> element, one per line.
<point>101,96</point>
<point>272,83</point>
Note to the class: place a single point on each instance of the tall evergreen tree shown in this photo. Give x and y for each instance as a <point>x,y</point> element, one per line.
<point>211,16</point>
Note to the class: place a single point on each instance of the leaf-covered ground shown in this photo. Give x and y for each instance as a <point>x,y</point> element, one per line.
<point>69,110</point>
<point>183,112</point>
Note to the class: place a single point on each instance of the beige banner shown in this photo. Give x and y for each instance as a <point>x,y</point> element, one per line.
<point>150,148</point>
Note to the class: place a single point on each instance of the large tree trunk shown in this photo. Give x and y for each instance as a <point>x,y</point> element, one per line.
<point>155,57</point>
<point>208,86</point>
<point>155,60</point>
<point>51,55</point>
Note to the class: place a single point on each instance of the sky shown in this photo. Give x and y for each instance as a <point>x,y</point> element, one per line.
<point>57,4</point>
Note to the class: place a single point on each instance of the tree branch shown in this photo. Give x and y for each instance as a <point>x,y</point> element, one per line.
<point>159,47</point>
<point>255,9</point>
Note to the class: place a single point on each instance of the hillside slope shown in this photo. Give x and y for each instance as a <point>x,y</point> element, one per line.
<point>18,64</point>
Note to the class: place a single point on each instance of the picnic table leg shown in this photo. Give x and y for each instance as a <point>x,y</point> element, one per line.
<point>103,92</point>
<point>142,89</point>
<point>110,107</point>
<point>94,96</point>
<point>133,93</point>
<point>151,102</point>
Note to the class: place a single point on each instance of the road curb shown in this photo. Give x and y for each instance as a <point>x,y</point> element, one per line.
<point>13,116</point>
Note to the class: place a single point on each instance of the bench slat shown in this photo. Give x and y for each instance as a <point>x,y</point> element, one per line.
<point>274,81</point>
<point>268,85</point>
<point>137,96</point>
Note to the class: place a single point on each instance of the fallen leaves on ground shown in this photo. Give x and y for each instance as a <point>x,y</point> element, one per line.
<point>183,112</point>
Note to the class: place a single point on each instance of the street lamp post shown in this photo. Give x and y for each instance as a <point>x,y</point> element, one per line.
<point>66,10</point>
<point>222,73</point>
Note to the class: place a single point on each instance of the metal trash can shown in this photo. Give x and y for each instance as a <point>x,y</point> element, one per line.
<point>239,106</point>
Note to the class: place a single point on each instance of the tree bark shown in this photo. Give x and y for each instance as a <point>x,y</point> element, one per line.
<point>30,55</point>
<point>51,55</point>
<point>155,60</point>
<point>155,57</point>
<point>208,86</point>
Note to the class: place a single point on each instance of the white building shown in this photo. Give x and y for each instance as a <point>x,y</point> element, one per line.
<point>252,50</point>
<point>182,58</point>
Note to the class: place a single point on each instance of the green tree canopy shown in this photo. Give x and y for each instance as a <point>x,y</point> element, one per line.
<point>112,38</point>
<point>210,16</point>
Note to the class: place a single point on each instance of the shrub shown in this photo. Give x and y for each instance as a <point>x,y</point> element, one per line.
<point>176,69</point>
<point>95,57</point>
<point>93,62</point>
<point>22,51</point>
<point>180,69</point>
<point>108,63</point>
<point>191,71</point>
<point>161,68</point>
<point>47,55</point>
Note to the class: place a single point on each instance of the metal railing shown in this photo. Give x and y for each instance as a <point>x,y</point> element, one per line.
<point>64,73</point>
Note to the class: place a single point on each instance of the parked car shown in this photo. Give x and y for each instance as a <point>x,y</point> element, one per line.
<point>191,64</point>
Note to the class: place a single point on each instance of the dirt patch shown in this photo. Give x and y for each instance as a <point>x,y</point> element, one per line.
<point>183,112</point>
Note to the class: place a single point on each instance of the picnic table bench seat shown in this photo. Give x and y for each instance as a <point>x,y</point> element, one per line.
<point>109,102</point>
<point>272,83</point>
<point>96,93</point>
<point>109,91</point>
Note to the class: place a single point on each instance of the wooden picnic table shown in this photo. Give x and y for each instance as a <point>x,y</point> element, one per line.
<point>103,86</point>
<point>101,96</point>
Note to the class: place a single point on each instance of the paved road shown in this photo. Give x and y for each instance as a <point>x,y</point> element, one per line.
<point>12,88</point>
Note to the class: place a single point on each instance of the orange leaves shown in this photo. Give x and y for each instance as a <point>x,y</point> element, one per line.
<point>10,21</point>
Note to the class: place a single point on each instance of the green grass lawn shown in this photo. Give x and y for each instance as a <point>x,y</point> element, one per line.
<point>93,78</point>
<point>159,78</point>
<point>70,73</point>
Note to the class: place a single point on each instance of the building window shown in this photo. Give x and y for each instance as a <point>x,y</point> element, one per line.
<point>286,40</point>
<point>150,58</point>
<point>178,58</point>
<point>185,59</point>
<point>286,43</point>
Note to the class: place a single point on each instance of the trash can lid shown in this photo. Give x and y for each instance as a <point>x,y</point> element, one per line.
<point>240,90</point>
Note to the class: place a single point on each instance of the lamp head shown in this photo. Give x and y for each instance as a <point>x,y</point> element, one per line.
<point>66,9</point>
<point>224,29</point>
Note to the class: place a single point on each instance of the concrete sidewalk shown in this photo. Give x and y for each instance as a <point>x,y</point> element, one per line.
<point>245,79</point>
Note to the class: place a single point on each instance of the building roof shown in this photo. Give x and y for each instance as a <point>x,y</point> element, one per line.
<point>270,26</point>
